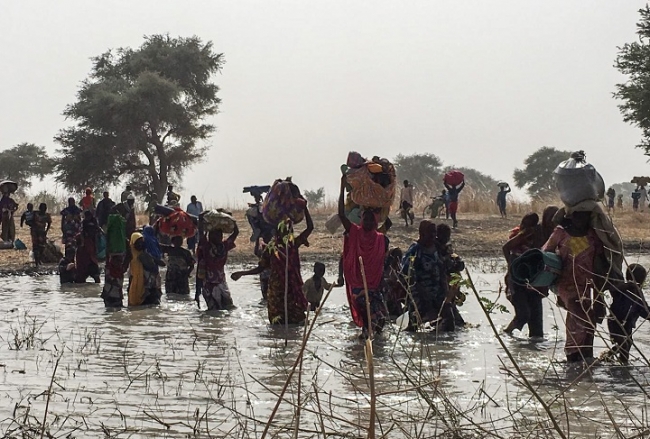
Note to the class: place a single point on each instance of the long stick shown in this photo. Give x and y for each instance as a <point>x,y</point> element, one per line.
<point>369,356</point>
<point>49,394</point>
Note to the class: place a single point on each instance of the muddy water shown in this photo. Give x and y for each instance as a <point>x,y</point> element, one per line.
<point>174,371</point>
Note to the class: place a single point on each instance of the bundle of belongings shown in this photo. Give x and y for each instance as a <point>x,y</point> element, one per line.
<point>218,219</point>
<point>582,189</point>
<point>283,202</point>
<point>371,184</point>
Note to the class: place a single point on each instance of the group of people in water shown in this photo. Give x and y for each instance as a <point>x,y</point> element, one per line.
<point>420,286</point>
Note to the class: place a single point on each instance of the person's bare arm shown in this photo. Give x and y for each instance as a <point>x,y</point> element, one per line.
<point>238,274</point>
<point>302,238</point>
<point>344,219</point>
<point>234,234</point>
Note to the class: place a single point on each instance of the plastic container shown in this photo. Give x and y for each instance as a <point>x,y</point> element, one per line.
<point>577,181</point>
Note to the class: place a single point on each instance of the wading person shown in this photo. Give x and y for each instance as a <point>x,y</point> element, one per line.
<point>453,193</point>
<point>274,258</point>
<point>428,301</point>
<point>67,272</point>
<point>70,223</point>
<point>41,223</point>
<point>212,255</point>
<point>367,243</point>
<point>144,282</point>
<point>526,300</point>
<point>315,286</point>
<point>180,264</point>
<point>87,264</point>
<point>454,266</point>
<point>116,261</point>
<point>576,242</point>
<point>628,305</point>
<point>394,283</point>
<point>104,208</point>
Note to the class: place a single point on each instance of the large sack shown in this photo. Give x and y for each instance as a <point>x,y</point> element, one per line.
<point>116,235</point>
<point>578,181</point>
<point>453,178</point>
<point>282,202</point>
<point>366,191</point>
<point>218,220</point>
<point>537,268</point>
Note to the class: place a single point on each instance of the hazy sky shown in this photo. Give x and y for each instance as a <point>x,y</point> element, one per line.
<point>478,83</point>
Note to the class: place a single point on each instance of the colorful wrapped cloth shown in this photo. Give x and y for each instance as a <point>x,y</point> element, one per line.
<point>177,223</point>
<point>282,202</point>
<point>367,192</point>
<point>453,178</point>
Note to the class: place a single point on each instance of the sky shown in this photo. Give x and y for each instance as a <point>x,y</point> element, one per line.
<point>480,84</point>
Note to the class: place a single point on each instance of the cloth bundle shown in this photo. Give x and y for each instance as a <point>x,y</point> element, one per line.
<point>537,268</point>
<point>282,202</point>
<point>371,182</point>
<point>116,235</point>
<point>453,178</point>
<point>219,220</point>
<point>177,223</point>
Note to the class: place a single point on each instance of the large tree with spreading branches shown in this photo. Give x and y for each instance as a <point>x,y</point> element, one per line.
<point>140,116</point>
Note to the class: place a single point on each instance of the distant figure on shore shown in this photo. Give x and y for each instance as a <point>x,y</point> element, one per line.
<point>8,206</point>
<point>504,190</point>
<point>636,196</point>
<point>454,192</point>
<point>104,210</point>
<point>88,201</point>
<point>643,199</point>
<point>406,202</point>
<point>445,197</point>
<point>70,223</point>
<point>125,193</point>
<point>27,216</point>
<point>611,196</point>
<point>194,208</point>
<point>41,223</point>
<point>619,202</point>
<point>172,197</point>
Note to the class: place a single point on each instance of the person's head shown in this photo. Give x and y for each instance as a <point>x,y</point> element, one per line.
<point>170,188</point>
<point>42,207</point>
<point>394,257</point>
<point>139,244</point>
<point>443,233</point>
<point>128,187</point>
<point>88,215</point>
<point>71,202</point>
<point>105,195</point>
<point>215,236</point>
<point>444,192</point>
<point>406,183</point>
<point>319,269</point>
<point>177,241</point>
<point>580,220</point>
<point>193,199</point>
<point>636,273</point>
<point>30,206</point>
<point>529,221</point>
<point>369,220</point>
<point>130,200</point>
<point>69,253</point>
<point>547,220</point>
<point>89,191</point>
<point>427,232</point>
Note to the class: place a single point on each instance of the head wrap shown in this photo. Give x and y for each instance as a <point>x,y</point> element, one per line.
<point>151,242</point>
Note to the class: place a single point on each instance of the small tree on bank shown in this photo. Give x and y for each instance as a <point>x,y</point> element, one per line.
<point>140,115</point>
<point>537,173</point>
<point>23,162</point>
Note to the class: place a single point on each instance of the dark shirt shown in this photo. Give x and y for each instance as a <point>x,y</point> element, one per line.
<point>103,210</point>
<point>501,196</point>
<point>628,304</point>
<point>26,218</point>
<point>71,210</point>
<point>453,192</point>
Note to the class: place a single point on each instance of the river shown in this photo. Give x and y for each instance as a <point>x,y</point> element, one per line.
<point>175,371</point>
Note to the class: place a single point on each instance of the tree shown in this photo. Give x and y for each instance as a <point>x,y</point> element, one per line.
<point>633,60</point>
<point>315,198</point>
<point>23,162</point>
<point>537,174</point>
<point>140,115</point>
<point>422,170</point>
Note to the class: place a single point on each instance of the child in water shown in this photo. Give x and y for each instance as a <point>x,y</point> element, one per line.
<point>67,268</point>
<point>316,285</point>
<point>627,306</point>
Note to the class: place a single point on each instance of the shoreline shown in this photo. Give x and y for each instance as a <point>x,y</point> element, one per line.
<point>478,235</point>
